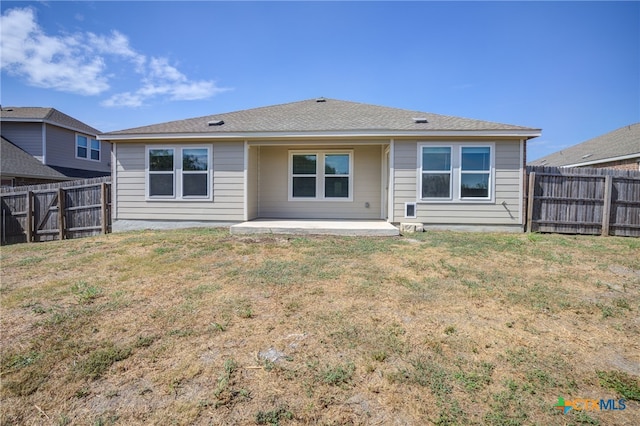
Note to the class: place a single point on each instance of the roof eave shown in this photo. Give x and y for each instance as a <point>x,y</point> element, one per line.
<point>604,160</point>
<point>506,133</point>
<point>53,123</point>
<point>18,174</point>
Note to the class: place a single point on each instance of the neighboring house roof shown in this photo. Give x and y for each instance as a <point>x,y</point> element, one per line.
<point>318,117</point>
<point>620,144</point>
<point>80,173</point>
<point>17,163</point>
<point>45,115</point>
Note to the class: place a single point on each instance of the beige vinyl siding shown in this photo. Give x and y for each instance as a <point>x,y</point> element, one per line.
<point>228,198</point>
<point>274,181</point>
<point>507,189</point>
<point>27,136</point>
<point>61,151</point>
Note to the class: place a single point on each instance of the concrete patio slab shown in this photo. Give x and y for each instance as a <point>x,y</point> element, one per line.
<point>316,227</point>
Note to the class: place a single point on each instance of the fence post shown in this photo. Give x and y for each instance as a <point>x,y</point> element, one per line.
<point>29,221</point>
<point>606,210</point>
<point>61,221</point>
<point>532,187</point>
<point>103,207</point>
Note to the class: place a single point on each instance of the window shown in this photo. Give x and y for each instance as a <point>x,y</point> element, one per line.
<point>195,172</point>
<point>161,173</point>
<point>320,176</point>
<point>304,175</point>
<point>455,172</point>
<point>475,172</point>
<point>436,172</point>
<point>87,147</point>
<point>178,173</point>
<point>336,176</point>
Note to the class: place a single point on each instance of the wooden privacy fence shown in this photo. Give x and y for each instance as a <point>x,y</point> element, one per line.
<point>73,209</point>
<point>583,201</point>
<point>558,200</point>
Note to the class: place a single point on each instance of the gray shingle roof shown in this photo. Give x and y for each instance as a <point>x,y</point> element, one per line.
<point>621,142</point>
<point>17,163</point>
<point>80,173</point>
<point>49,115</point>
<point>313,116</point>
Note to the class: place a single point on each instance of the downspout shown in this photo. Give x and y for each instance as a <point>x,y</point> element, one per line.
<point>390,201</point>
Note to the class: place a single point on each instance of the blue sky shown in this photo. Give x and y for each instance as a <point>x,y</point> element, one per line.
<point>570,68</point>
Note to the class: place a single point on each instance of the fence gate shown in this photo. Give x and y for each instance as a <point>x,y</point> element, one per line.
<point>56,211</point>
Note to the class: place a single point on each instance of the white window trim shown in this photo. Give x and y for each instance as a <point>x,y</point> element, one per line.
<point>88,157</point>
<point>148,172</point>
<point>456,172</point>
<point>415,210</point>
<point>320,175</point>
<point>306,175</point>
<point>421,172</point>
<point>178,174</point>
<point>491,172</point>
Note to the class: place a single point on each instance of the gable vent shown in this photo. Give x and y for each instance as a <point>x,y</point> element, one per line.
<point>420,120</point>
<point>215,123</point>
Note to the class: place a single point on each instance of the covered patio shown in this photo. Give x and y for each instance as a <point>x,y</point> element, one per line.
<point>377,228</point>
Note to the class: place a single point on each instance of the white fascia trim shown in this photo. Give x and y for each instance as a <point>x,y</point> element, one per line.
<point>53,123</point>
<point>604,160</point>
<point>305,135</point>
<point>320,142</point>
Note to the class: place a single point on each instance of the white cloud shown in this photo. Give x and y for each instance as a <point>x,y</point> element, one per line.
<point>164,80</point>
<point>161,69</point>
<point>125,99</point>
<point>79,63</point>
<point>191,91</point>
<point>60,63</point>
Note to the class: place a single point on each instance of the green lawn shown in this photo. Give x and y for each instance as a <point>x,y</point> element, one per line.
<point>201,327</point>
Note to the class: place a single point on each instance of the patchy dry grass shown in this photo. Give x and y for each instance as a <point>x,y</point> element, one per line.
<point>440,328</point>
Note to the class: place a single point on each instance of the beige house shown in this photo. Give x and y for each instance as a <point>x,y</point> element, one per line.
<point>320,159</point>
